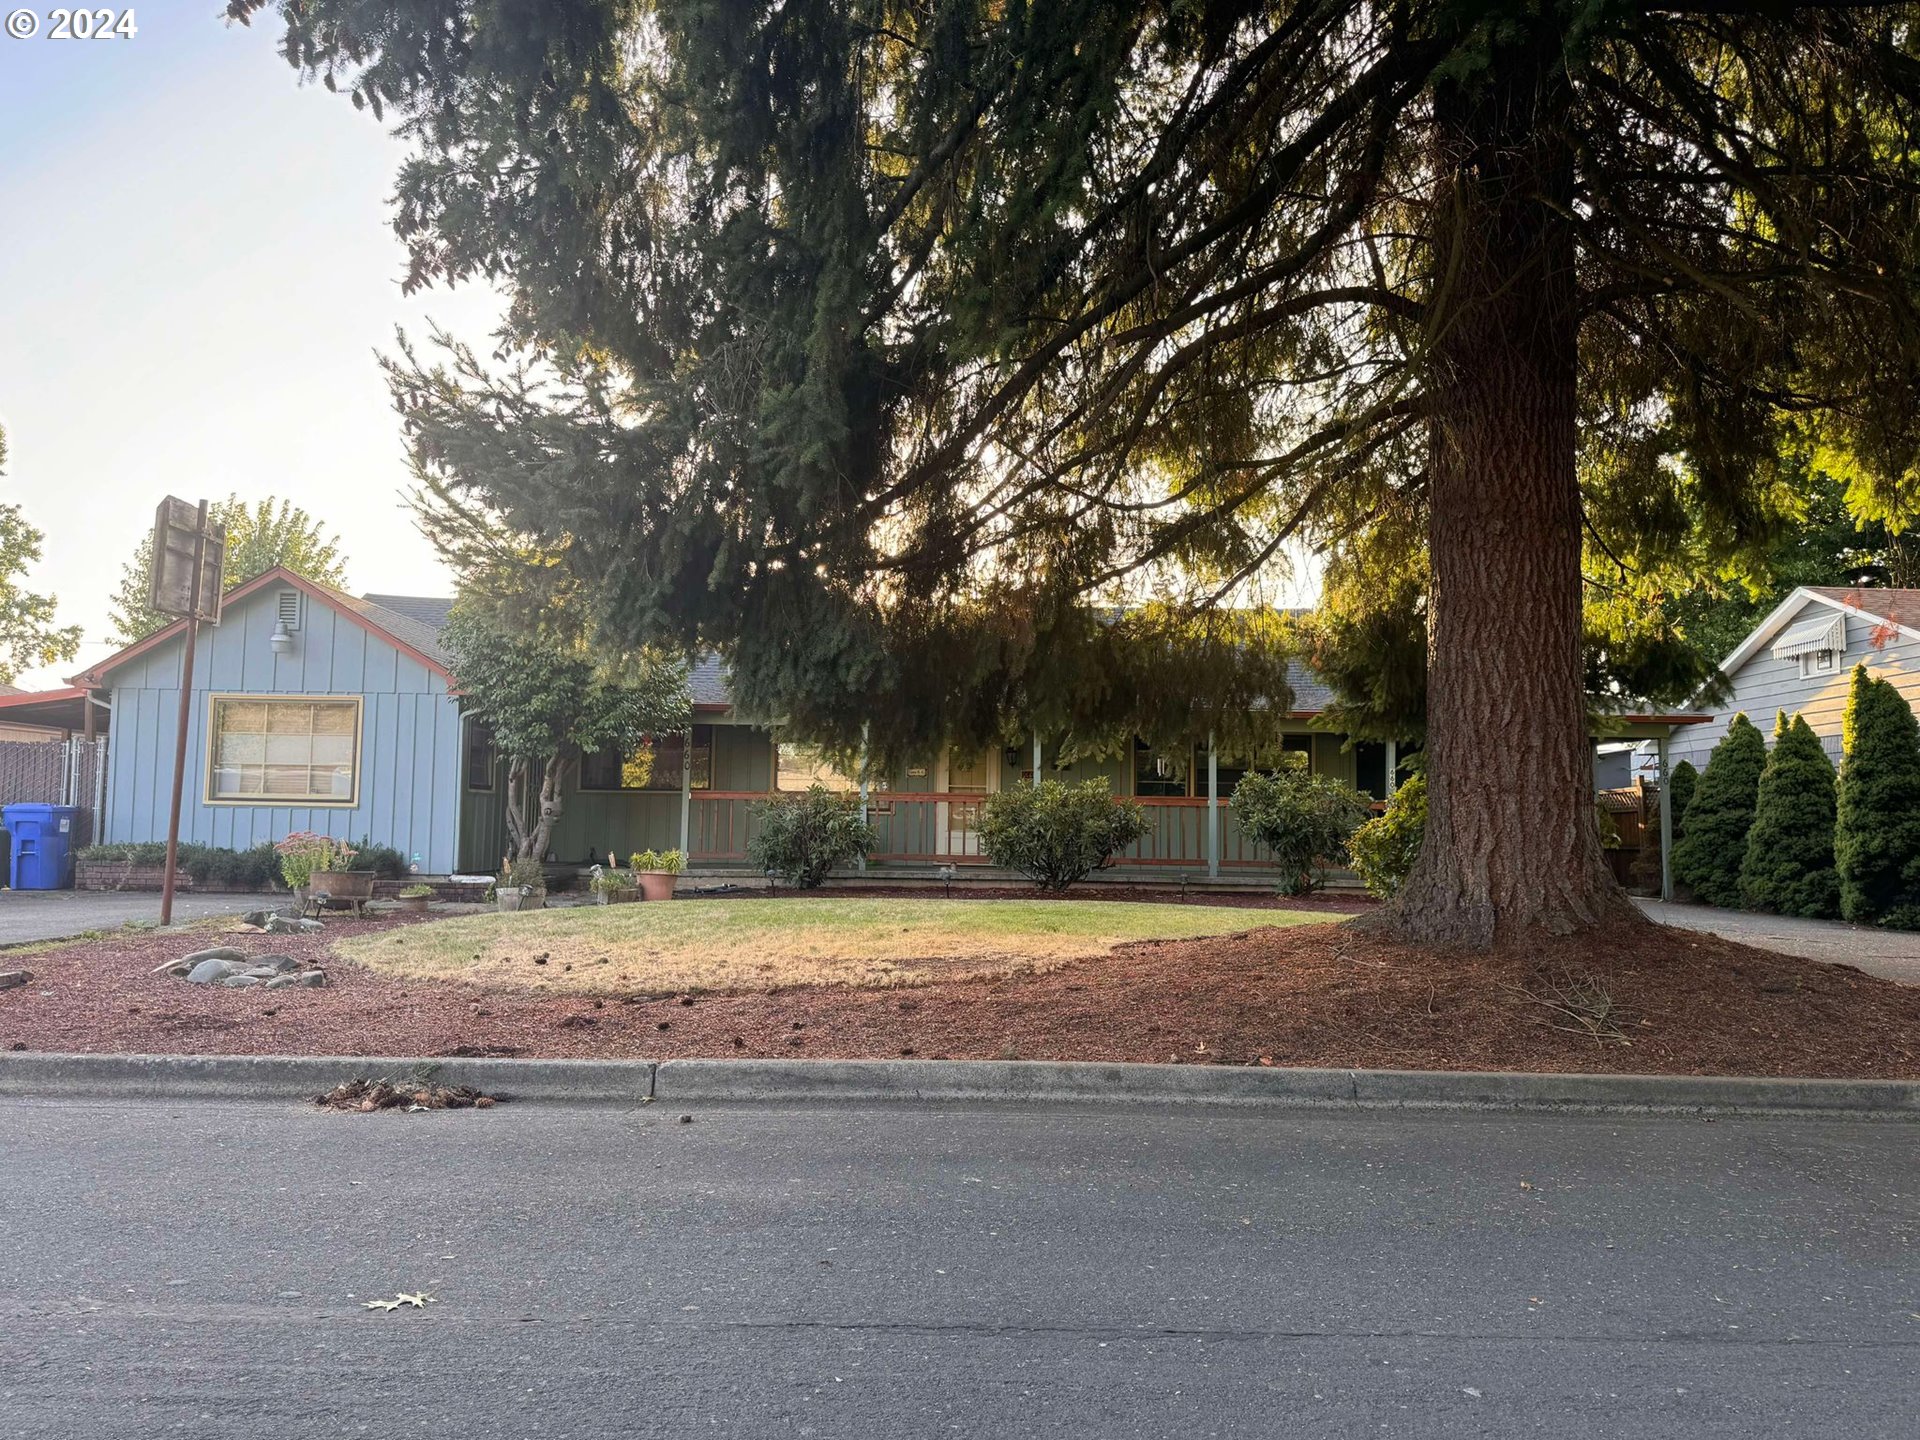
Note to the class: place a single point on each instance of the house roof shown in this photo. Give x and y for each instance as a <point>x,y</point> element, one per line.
<point>1899,609</point>
<point>64,709</point>
<point>404,632</point>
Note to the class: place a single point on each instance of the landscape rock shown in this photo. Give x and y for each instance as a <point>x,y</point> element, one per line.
<point>209,972</point>
<point>293,925</point>
<point>174,967</point>
<point>278,964</point>
<point>304,980</point>
<point>238,980</point>
<point>9,979</point>
<point>258,918</point>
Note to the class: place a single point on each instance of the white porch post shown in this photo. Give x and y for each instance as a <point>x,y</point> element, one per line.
<point>686,797</point>
<point>1036,757</point>
<point>1666,816</point>
<point>1213,809</point>
<point>863,783</point>
<point>1393,767</point>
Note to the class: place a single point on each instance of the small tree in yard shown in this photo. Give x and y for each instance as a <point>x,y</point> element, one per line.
<point>1720,815</point>
<point>1789,861</point>
<point>1055,833</point>
<point>803,837</point>
<point>1876,838</point>
<point>1303,818</point>
<point>547,699</point>
<point>1384,848</point>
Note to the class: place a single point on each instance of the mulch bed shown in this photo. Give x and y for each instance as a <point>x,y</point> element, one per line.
<point>1685,1003</point>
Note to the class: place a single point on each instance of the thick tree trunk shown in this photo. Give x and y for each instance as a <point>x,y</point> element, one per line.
<point>1511,845</point>
<point>531,817</point>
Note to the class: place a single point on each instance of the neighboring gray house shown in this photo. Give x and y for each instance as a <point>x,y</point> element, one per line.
<point>1801,659</point>
<point>311,710</point>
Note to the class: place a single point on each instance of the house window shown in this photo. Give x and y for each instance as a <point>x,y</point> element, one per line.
<point>800,767</point>
<point>284,750</point>
<point>1817,662</point>
<point>1156,774</point>
<point>480,756</point>
<point>1233,769</point>
<point>654,764</point>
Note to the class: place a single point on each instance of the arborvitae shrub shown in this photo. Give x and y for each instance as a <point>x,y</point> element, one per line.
<point>1876,838</point>
<point>1684,780</point>
<point>1789,861</point>
<point>1708,860</point>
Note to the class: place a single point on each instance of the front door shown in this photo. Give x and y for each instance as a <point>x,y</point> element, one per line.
<point>960,819</point>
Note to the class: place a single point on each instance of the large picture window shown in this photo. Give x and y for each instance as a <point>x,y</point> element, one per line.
<point>801,767</point>
<point>654,764</point>
<point>284,750</point>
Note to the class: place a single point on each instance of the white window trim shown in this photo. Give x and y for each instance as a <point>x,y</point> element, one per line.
<point>286,802</point>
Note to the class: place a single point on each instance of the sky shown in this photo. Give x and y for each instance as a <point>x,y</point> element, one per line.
<point>196,272</point>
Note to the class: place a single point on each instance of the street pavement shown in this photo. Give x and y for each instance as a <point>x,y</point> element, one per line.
<point>201,1269</point>
<point>1891,954</point>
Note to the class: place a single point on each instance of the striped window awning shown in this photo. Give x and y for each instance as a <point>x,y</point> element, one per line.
<point>1811,636</point>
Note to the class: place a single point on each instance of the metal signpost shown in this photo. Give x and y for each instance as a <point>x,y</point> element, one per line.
<point>189,557</point>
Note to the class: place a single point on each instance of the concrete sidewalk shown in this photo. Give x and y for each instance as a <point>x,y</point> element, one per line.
<point>29,915</point>
<point>1893,954</point>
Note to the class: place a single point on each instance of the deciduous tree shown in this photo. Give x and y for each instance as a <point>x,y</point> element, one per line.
<point>28,635</point>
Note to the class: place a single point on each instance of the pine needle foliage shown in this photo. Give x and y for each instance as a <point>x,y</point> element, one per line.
<point>1708,860</point>
<point>1789,862</point>
<point>1877,828</point>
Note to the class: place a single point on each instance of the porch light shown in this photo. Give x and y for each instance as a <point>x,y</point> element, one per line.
<point>282,641</point>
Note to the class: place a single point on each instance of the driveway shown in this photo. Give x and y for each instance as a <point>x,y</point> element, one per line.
<point>201,1268</point>
<point>27,915</point>
<point>1894,954</point>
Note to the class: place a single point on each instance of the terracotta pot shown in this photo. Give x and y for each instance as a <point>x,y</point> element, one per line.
<point>657,884</point>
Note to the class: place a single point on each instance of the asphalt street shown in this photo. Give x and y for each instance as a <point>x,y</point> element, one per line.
<point>201,1269</point>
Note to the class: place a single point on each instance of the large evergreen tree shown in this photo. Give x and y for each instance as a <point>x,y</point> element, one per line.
<point>28,635</point>
<point>1789,861</point>
<point>1708,860</point>
<point>260,536</point>
<point>875,340</point>
<point>1877,830</point>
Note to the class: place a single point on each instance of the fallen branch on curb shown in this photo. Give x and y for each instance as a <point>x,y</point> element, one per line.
<point>408,1093</point>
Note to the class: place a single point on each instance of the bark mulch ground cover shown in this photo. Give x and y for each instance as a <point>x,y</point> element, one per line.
<point>1650,1001</point>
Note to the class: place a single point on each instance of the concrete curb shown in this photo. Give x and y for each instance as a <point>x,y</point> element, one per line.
<point>964,1082</point>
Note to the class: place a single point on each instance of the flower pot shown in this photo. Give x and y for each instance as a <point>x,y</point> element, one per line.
<point>415,904</point>
<point>615,897</point>
<point>529,899</point>
<point>341,887</point>
<point>657,884</point>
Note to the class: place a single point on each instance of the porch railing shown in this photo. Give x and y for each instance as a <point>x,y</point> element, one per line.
<point>944,829</point>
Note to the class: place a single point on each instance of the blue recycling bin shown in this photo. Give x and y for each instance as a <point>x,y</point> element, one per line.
<point>42,845</point>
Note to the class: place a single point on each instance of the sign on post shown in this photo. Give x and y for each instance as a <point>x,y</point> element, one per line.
<point>179,542</point>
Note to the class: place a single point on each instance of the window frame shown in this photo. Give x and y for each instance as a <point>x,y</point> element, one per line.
<point>216,699</point>
<point>474,730</point>
<point>689,743</point>
<point>773,785</point>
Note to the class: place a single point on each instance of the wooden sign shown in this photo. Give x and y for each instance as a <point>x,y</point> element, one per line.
<point>176,527</point>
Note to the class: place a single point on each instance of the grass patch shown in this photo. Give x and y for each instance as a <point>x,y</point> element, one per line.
<point>763,944</point>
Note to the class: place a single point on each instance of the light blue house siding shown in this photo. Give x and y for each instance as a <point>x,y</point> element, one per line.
<point>410,773</point>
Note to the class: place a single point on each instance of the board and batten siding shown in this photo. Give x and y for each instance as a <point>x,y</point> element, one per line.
<point>410,775</point>
<point>1764,686</point>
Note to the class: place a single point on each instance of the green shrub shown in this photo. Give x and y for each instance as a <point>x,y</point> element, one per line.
<point>1055,833</point>
<point>1303,818</point>
<point>385,861</point>
<point>1708,860</point>
<point>664,862</point>
<point>802,837</point>
<point>416,892</point>
<point>1383,850</point>
<point>525,873</point>
<point>1876,837</point>
<point>1683,780</point>
<point>1789,861</point>
<point>210,866</point>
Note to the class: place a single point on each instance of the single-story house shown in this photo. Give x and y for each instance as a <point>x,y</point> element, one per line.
<point>1801,659</point>
<point>315,710</point>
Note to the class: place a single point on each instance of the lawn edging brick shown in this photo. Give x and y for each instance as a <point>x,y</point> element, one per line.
<point>969,1082</point>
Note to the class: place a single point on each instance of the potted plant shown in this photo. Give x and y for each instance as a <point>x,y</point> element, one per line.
<point>657,871</point>
<point>414,899</point>
<point>331,882</point>
<point>612,886</point>
<point>523,886</point>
